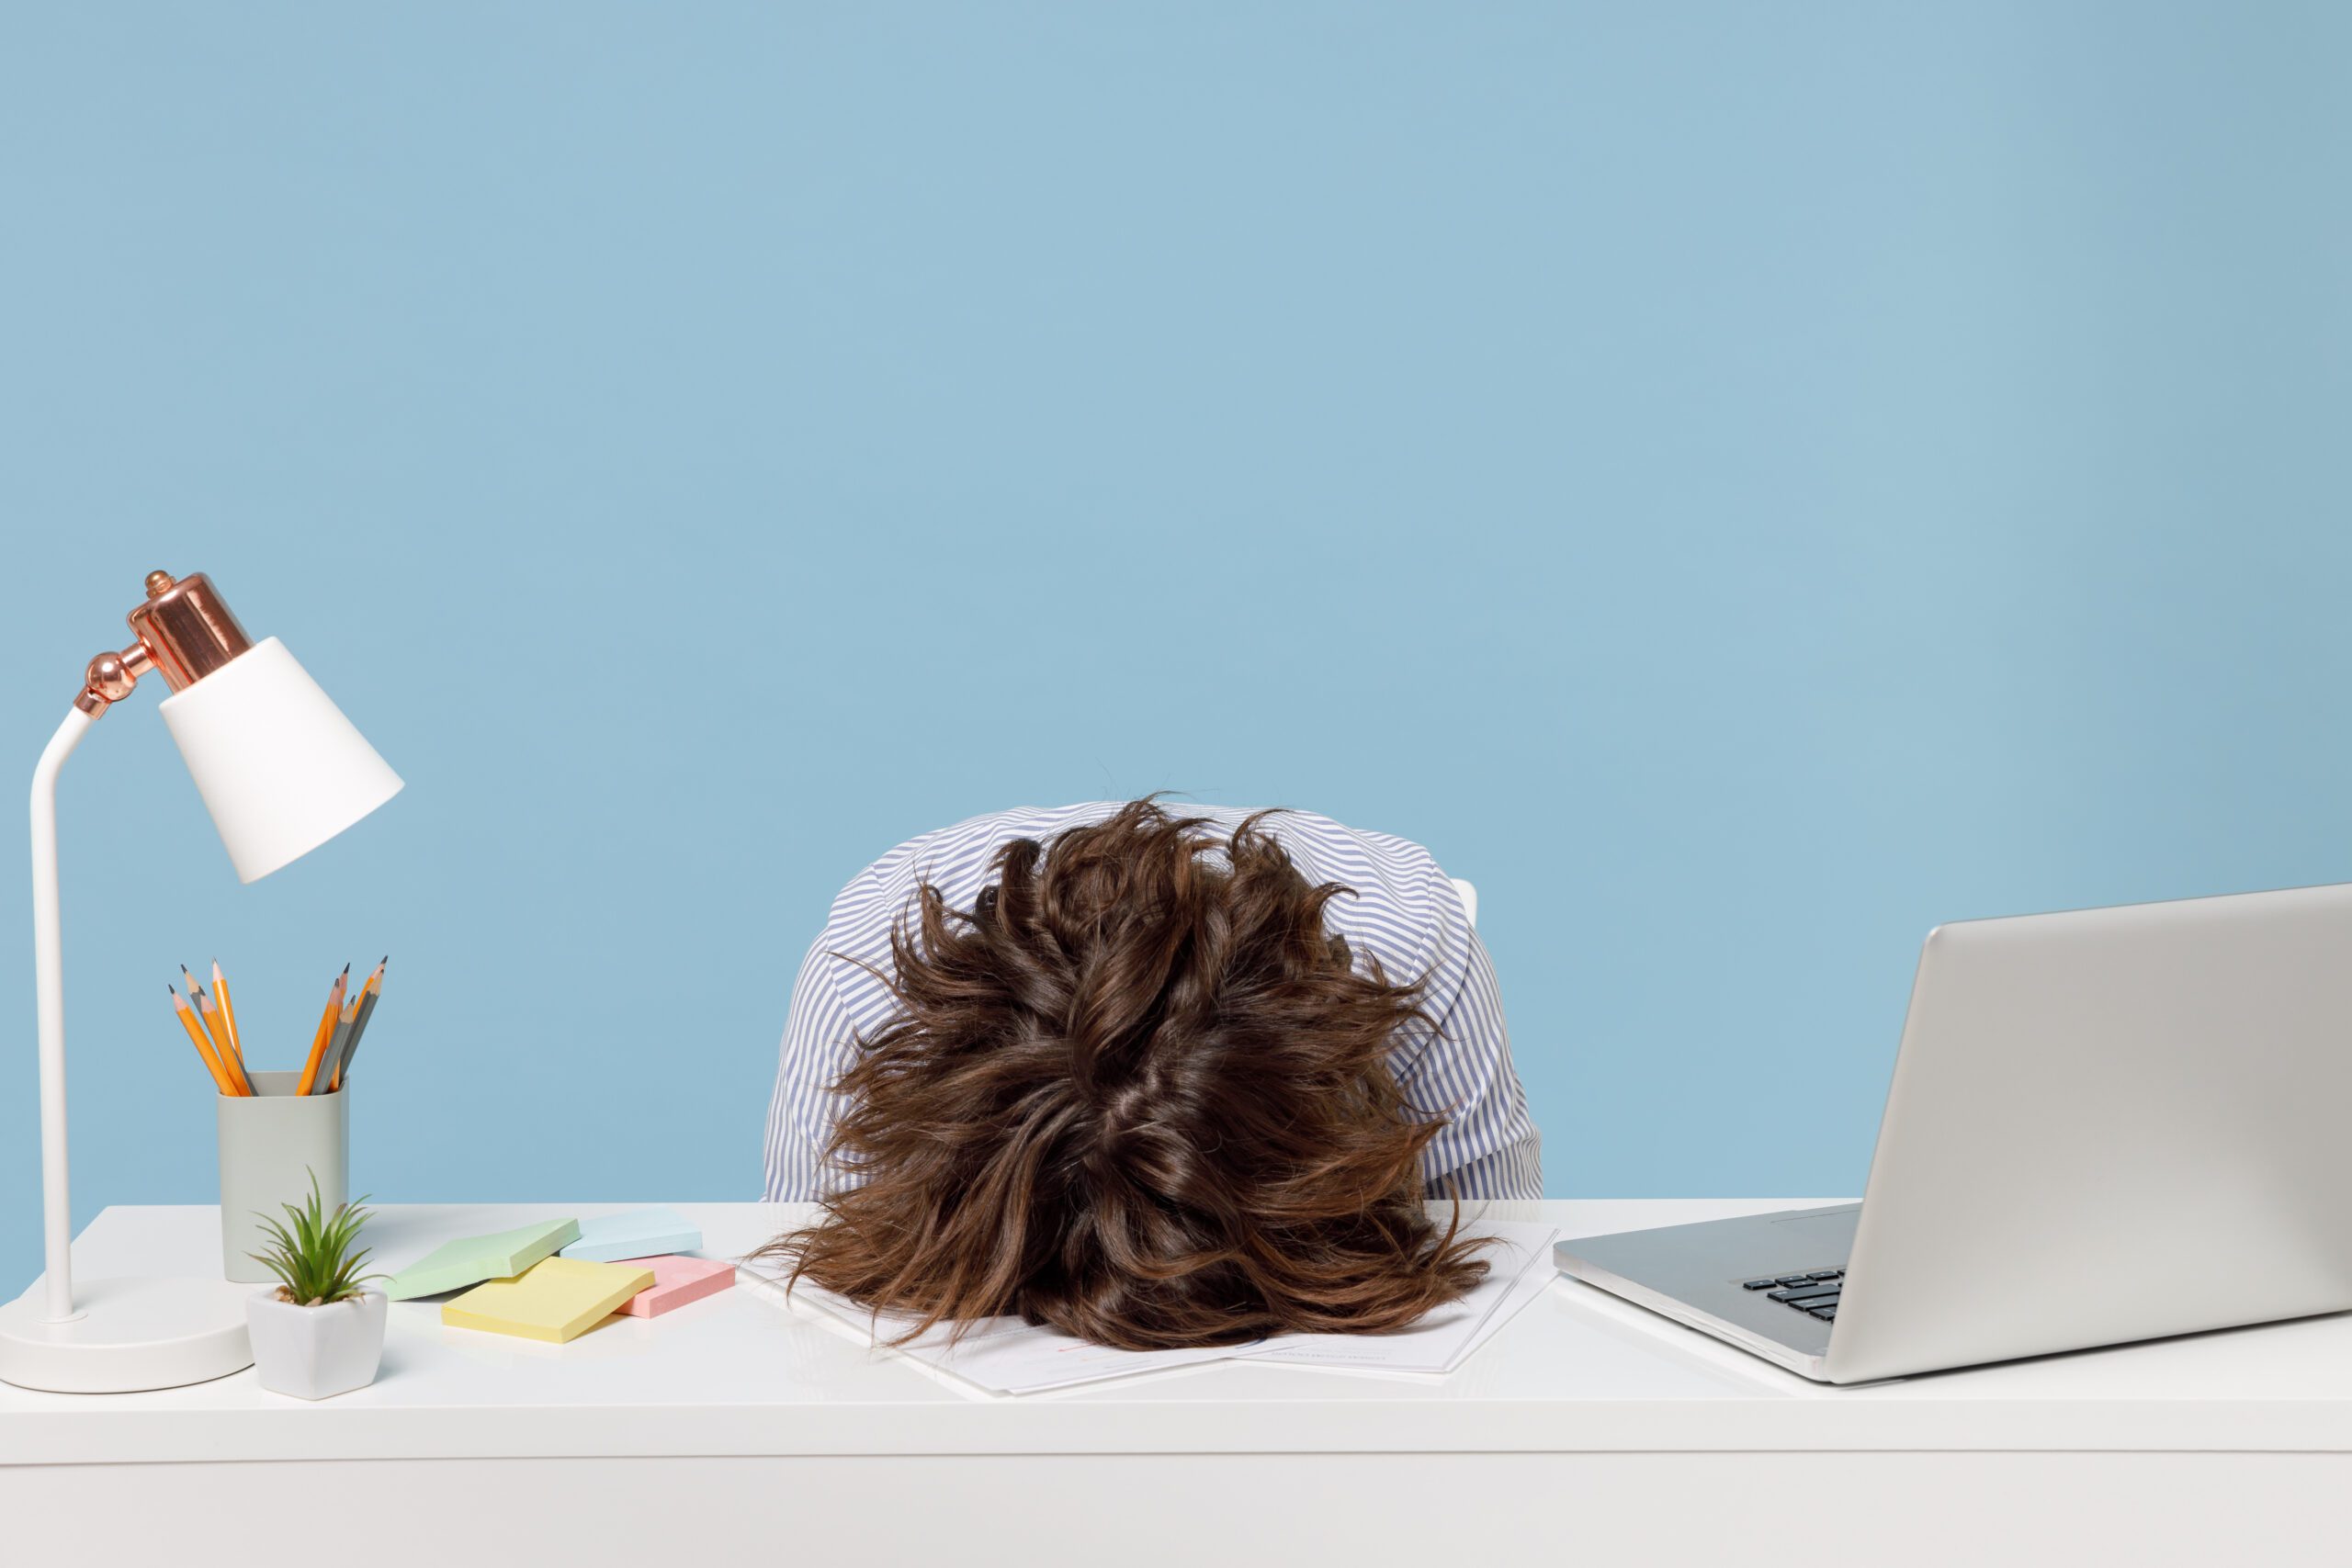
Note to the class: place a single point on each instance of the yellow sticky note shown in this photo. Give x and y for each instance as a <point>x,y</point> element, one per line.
<point>555,1299</point>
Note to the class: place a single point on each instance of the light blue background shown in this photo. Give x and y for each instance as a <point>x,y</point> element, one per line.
<point>1742,482</point>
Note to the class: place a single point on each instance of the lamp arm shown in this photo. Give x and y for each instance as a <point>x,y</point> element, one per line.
<point>48,963</point>
<point>108,680</point>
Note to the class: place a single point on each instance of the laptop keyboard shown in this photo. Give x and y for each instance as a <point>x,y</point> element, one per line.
<point>1815,1293</point>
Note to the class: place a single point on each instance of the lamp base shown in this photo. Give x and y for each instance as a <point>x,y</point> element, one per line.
<point>129,1332</point>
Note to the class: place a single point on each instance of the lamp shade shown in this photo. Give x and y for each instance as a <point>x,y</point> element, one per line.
<point>280,767</point>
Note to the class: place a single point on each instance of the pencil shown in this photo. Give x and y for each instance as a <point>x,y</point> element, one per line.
<point>229,1020</point>
<point>208,1012</point>
<point>203,1046</point>
<point>327,1021</point>
<point>331,1064</point>
<point>367,1009</point>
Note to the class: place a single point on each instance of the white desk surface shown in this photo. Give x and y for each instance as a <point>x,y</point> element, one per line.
<point>1578,1371</point>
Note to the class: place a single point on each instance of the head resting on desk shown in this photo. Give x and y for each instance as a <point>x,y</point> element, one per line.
<point>1137,1093</point>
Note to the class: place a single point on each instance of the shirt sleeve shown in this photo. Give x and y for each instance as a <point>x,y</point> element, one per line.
<point>1490,1147</point>
<point>818,1044</point>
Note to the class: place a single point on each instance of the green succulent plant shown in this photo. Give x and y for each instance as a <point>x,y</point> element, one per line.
<point>312,1254</point>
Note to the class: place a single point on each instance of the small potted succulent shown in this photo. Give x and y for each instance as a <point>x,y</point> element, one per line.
<point>319,1331</point>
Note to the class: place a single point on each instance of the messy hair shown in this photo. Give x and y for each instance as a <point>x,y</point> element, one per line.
<point>1137,1096</point>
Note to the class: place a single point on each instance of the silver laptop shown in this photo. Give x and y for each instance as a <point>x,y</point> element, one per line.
<point>2104,1126</point>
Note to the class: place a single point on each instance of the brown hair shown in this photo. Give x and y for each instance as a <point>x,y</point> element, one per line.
<point>1137,1096</point>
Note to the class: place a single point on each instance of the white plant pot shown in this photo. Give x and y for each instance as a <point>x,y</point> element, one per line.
<point>315,1352</point>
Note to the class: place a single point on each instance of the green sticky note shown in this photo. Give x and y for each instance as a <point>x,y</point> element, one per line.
<point>555,1299</point>
<point>469,1260</point>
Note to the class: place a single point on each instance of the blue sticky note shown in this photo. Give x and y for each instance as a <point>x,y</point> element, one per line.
<point>635,1232</point>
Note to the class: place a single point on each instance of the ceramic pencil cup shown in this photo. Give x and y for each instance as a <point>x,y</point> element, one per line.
<point>271,1142</point>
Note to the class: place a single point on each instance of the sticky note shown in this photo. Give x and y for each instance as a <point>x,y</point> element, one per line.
<point>555,1299</point>
<point>637,1233</point>
<point>677,1282</point>
<point>469,1260</point>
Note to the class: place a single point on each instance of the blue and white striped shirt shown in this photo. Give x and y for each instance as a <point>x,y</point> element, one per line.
<point>1404,912</point>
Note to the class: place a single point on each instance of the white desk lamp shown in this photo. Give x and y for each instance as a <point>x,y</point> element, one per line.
<point>282,772</point>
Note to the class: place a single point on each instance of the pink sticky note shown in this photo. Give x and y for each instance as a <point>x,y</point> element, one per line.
<point>677,1282</point>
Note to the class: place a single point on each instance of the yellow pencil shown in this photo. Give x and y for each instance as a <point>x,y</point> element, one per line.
<point>210,1012</point>
<point>327,1021</point>
<point>203,1046</point>
<point>229,1019</point>
<point>226,1046</point>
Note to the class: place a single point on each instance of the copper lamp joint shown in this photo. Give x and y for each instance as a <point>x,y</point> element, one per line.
<point>184,633</point>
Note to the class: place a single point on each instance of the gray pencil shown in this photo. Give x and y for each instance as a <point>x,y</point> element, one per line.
<point>360,1025</point>
<point>332,1059</point>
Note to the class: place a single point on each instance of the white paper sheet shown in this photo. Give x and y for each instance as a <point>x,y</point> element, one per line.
<point>1006,1356</point>
<point>1518,1267</point>
<point>1365,1352</point>
<point>1003,1355</point>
